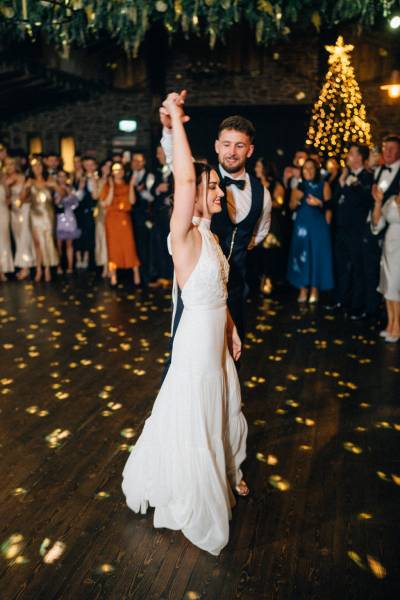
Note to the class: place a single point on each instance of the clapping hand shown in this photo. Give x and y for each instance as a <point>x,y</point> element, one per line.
<point>343,177</point>
<point>172,102</point>
<point>377,194</point>
<point>313,200</point>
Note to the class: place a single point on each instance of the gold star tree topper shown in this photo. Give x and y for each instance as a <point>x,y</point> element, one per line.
<point>340,51</point>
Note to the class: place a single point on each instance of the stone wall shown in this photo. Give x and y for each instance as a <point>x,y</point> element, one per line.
<point>237,74</point>
<point>93,123</point>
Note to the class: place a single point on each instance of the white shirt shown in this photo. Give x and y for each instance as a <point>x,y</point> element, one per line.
<point>387,177</point>
<point>148,184</point>
<point>238,201</point>
<point>354,174</point>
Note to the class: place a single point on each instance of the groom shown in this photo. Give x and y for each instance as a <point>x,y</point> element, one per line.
<point>246,207</point>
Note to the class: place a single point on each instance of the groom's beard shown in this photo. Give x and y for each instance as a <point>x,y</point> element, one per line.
<point>233,168</point>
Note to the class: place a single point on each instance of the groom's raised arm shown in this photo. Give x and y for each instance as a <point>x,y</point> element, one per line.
<point>167,145</point>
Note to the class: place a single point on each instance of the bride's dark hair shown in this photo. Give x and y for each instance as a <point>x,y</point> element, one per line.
<point>201,167</point>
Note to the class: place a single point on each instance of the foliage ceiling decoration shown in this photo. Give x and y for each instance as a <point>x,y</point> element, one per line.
<point>79,22</point>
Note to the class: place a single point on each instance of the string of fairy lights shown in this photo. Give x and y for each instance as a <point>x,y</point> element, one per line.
<point>339,115</point>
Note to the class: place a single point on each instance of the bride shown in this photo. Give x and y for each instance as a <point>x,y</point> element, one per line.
<point>186,463</point>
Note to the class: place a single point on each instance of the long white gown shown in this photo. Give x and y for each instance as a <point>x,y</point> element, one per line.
<point>189,454</point>
<point>389,280</point>
<point>6,259</point>
<point>25,256</point>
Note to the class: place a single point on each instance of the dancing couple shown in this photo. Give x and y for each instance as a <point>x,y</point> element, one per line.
<point>186,463</point>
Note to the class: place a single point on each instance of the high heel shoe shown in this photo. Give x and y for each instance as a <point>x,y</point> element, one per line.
<point>313,299</point>
<point>21,275</point>
<point>392,339</point>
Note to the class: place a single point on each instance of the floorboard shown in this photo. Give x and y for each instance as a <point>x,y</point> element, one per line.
<point>83,363</point>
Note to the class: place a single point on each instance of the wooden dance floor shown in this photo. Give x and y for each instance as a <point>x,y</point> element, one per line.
<point>80,368</point>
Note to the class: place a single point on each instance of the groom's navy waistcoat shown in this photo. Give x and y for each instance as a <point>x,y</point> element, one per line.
<point>235,238</point>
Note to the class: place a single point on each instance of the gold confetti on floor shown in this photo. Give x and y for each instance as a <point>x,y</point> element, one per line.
<point>279,483</point>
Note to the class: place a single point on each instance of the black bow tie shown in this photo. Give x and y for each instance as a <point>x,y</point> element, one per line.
<point>385,168</point>
<point>352,174</point>
<point>240,183</point>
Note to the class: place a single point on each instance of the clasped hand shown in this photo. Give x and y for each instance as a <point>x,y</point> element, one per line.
<point>173,103</point>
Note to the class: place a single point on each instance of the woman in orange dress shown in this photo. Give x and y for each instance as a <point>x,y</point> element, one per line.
<point>117,197</point>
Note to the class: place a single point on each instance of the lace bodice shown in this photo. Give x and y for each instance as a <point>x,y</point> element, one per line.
<point>206,286</point>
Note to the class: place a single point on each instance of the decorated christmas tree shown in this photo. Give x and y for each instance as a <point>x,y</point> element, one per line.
<point>339,115</point>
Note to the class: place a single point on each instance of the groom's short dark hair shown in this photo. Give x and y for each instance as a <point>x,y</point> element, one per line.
<point>238,123</point>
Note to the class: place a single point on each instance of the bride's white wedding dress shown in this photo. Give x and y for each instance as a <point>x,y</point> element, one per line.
<point>188,457</point>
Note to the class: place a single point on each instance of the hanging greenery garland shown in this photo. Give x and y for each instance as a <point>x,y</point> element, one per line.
<point>79,22</point>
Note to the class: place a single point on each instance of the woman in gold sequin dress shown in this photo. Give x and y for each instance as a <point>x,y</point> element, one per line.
<point>24,257</point>
<point>39,189</point>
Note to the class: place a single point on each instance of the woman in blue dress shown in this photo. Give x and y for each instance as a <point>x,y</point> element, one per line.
<point>310,256</point>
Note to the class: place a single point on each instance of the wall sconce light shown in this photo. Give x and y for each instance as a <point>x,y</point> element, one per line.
<point>393,87</point>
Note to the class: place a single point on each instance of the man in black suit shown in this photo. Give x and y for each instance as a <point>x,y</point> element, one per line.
<point>352,205</point>
<point>141,211</point>
<point>386,179</point>
<point>161,270</point>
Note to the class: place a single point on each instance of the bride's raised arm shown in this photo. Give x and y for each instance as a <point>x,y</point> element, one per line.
<point>183,169</point>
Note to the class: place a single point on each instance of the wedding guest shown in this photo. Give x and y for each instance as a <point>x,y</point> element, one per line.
<point>117,157</point>
<point>386,180</point>
<point>333,172</point>
<point>162,191</point>
<point>273,249</point>
<point>66,201</point>
<point>78,172</point>
<point>387,216</point>
<point>39,190</point>
<point>101,256</point>
<point>292,173</point>
<point>351,209</point>
<point>3,155</point>
<point>375,159</point>
<point>6,259</point>
<point>21,158</point>
<point>310,256</point>
<point>317,159</point>
<point>52,163</point>
<point>118,197</point>
<point>141,211</point>
<point>291,179</point>
<point>85,244</point>
<point>25,257</point>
